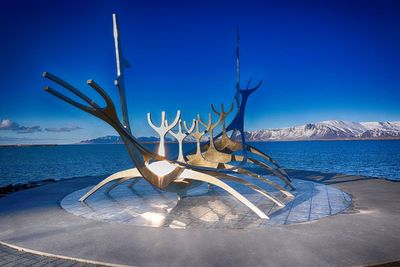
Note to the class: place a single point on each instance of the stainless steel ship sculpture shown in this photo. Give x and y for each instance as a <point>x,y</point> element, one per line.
<point>214,162</point>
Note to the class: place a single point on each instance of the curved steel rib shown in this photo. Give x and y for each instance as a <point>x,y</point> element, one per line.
<point>127,174</point>
<point>191,175</point>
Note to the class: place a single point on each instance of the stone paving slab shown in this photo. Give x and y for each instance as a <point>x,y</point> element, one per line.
<point>10,257</point>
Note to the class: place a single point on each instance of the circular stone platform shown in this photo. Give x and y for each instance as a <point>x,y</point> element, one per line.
<point>206,207</point>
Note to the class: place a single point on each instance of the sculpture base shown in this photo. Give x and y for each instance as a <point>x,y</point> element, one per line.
<point>205,207</point>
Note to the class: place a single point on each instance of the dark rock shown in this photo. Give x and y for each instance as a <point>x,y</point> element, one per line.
<point>17,187</point>
<point>6,189</point>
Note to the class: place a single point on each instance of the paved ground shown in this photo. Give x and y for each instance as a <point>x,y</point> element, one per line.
<point>367,235</point>
<point>10,257</point>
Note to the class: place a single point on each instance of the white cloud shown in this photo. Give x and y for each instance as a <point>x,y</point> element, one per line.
<point>63,129</point>
<point>7,124</point>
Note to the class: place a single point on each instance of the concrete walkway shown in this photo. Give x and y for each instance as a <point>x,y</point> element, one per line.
<point>367,235</point>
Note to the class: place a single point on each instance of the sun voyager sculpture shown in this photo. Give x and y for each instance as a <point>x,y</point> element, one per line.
<point>224,157</point>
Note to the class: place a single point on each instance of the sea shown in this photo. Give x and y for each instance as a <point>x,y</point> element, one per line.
<point>376,158</point>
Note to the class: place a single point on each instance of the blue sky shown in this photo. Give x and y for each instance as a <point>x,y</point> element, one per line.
<point>319,60</point>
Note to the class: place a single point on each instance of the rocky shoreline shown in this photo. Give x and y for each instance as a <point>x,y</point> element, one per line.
<point>4,190</point>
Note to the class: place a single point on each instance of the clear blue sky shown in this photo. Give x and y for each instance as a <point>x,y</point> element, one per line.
<point>319,60</point>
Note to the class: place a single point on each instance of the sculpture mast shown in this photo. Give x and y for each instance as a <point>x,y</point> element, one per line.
<point>237,96</point>
<point>120,82</point>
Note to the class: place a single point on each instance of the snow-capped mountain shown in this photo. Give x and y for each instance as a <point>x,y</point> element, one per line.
<point>330,130</point>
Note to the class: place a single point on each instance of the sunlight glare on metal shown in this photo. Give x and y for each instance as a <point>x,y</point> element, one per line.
<point>161,168</point>
<point>153,217</point>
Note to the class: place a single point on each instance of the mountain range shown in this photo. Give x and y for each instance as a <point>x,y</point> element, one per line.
<point>325,130</point>
<point>111,139</point>
<point>330,130</point>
